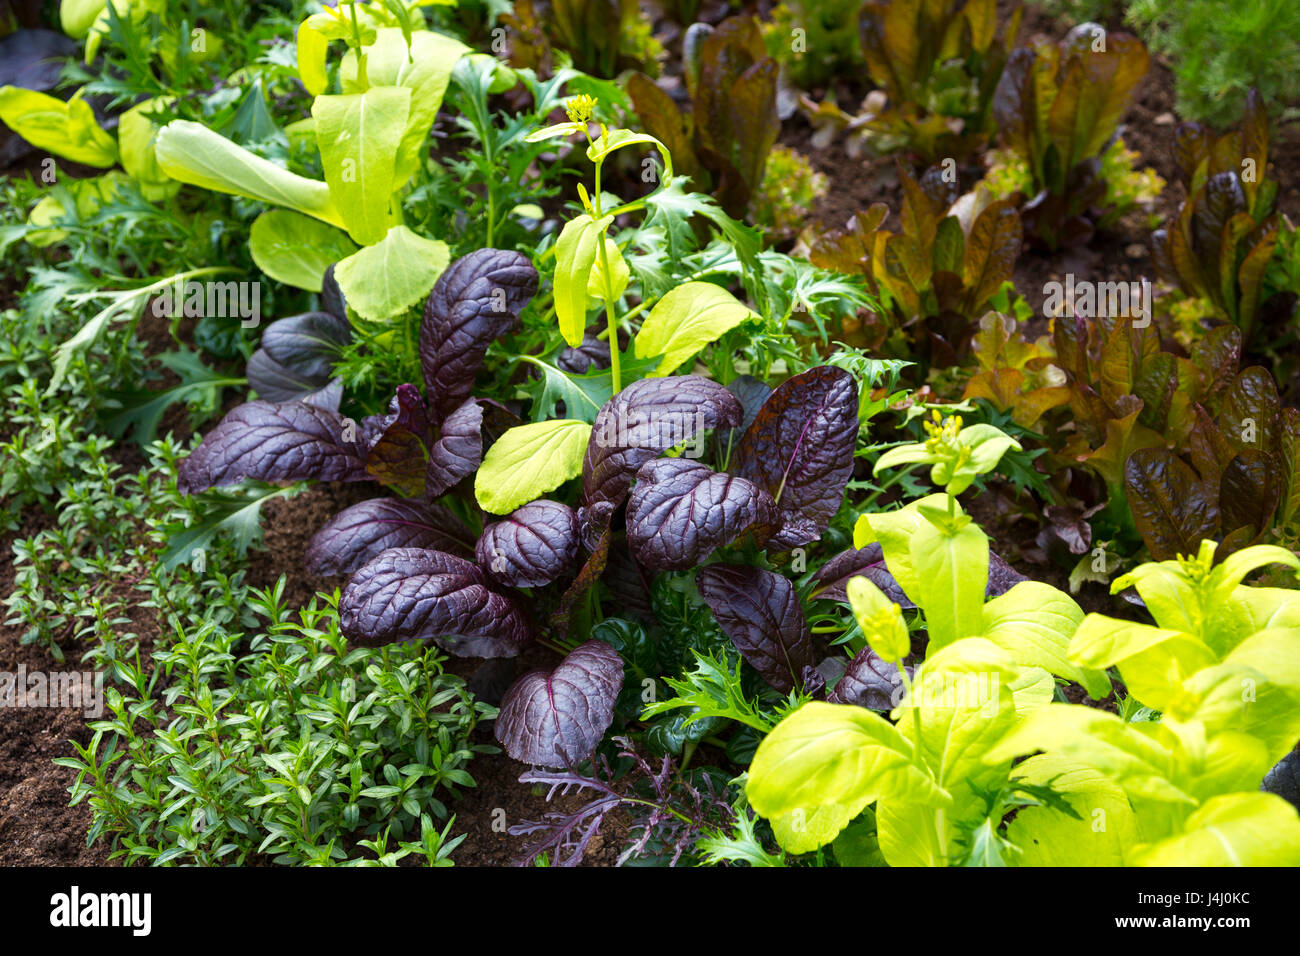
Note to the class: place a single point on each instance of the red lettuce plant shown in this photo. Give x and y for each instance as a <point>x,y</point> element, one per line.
<point>733,124</point>
<point>1220,241</point>
<point>1059,108</point>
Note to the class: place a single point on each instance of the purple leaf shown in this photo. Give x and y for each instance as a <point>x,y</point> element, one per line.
<point>415,594</point>
<point>645,420</point>
<point>458,451</point>
<point>32,59</point>
<point>869,681</point>
<point>680,511</point>
<point>759,610</point>
<point>269,442</point>
<point>475,301</point>
<point>557,718</point>
<point>868,562</point>
<point>362,532</point>
<point>274,382</point>
<point>309,343</point>
<point>396,457</point>
<point>592,354</point>
<point>532,547</point>
<point>331,296</point>
<point>800,450</point>
<point>751,393</point>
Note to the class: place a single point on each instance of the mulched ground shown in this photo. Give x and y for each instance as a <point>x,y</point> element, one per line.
<point>37,827</point>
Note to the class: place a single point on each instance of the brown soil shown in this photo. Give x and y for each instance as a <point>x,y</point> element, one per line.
<point>37,827</point>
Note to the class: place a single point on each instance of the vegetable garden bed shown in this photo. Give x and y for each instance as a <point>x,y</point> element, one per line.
<point>480,434</point>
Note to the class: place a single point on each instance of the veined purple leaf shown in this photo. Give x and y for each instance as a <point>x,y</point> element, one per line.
<point>868,562</point>
<point>309,343</point>
<point>533,546</point>
<point>458,451</point>
<point>800,450</point>
<point>358,534</point>
<point>274,382</point>
<point>269,442</point>
<point>680,511</point>
<point>594,521</point>
<point>869,681</point>
<point>645,420</point>
<point>759,610</point>
<point>476,300</point>
<point>397,456</point>
<point>328,397</point>
<point>592,354</point>
<point>557,718</point>
<point>416,594</point>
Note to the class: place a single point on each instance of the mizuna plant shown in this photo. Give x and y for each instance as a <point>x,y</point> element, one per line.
<point>1219,243</point>
<point>988,665</point>
<point>1059,108</point>
<point>723,144</point>
<point>1219,665</point>
<point>936,275</point>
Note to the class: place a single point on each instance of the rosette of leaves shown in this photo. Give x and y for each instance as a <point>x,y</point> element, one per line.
<point>1059,107</point>
<point>601,37</point>
<point>1220,242</point>
<point>938,63</point>
<point>1218,665</point>
<point>724,141</point>
<point>1197,447</point>
<point>814,41</point>
<point>1015,375</point>
<point>938,797</point>
<point>939,273</point>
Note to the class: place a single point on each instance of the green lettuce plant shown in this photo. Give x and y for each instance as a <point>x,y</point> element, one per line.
<point>989,665</point>
<point>1220,665</point>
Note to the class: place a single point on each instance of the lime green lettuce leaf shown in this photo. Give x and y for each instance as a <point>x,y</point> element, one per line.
<point>1235,829</point>
<point>823,764</point>
<point>358,135</point>
<point>893,530</point>
<point>136,134</point>
<point>67,129</point>
<point>685,320</point>
<point>1046,836</point>
<point>76,16</point>
<point>386,279</point>
<point>1142,758</point>
<point>196,155</point>
<point>952,570</point>
<point>528,461</point>
<point>424,68</point>
<point>1153,662</point>
<point>296,249</point>
<point>1255,690</point>
<point>575,256</point>
<point>1034,622</point>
